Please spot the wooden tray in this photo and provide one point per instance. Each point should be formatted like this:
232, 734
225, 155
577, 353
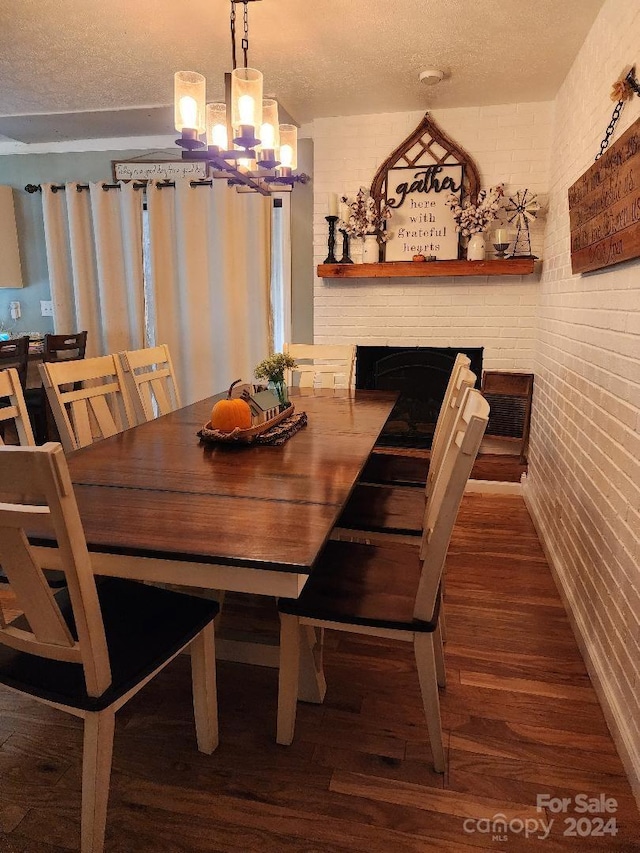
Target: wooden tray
243, 436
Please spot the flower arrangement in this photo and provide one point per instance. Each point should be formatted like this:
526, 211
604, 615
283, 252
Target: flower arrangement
273, 368
475, 218
365, 216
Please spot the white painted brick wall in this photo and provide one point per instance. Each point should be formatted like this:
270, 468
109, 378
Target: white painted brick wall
584, 479
510, 144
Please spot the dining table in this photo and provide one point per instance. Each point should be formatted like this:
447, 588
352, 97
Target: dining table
160, 505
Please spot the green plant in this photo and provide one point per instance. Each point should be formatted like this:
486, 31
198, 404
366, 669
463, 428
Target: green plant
273, 368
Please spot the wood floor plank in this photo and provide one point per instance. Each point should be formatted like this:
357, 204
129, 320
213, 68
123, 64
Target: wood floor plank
534, 687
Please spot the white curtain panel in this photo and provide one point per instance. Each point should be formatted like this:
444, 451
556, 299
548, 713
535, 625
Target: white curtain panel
209, 282
94, 253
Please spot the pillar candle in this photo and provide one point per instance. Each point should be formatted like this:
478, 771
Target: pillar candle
333, 204
501, 235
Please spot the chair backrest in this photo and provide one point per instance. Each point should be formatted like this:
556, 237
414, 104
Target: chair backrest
13, 406
15, 353
461, 378
38, 495
444, 499
151, 381
98, 409
322, 365
65, 347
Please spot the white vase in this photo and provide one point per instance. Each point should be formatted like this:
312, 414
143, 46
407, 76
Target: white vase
370, 249
476, 247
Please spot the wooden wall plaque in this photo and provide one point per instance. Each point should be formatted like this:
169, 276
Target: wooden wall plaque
414, 181
604, 207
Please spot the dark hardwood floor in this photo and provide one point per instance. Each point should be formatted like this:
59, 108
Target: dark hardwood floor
519, 713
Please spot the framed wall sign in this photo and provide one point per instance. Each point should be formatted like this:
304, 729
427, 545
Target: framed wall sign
422, 223
163, 170
414, 182
604, 207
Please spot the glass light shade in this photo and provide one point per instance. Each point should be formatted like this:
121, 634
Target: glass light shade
217, 126
246, 98
189, 97
288, 146
269, 130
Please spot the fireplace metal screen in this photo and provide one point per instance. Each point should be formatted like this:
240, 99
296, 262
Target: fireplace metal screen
420, 374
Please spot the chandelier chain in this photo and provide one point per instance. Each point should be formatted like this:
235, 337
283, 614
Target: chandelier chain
245, 40
233, 35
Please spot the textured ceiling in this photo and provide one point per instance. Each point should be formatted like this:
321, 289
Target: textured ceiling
319, 57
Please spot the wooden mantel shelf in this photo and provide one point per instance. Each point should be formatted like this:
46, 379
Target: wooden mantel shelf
417, 269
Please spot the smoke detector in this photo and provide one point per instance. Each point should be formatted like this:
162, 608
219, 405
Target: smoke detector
431, 76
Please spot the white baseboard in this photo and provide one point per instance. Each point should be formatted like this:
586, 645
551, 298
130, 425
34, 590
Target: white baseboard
596, 667
492, 487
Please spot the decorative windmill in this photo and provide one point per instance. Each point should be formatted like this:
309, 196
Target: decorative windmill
522, 209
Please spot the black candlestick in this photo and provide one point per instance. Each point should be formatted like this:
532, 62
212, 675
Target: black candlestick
345, 259
331, 244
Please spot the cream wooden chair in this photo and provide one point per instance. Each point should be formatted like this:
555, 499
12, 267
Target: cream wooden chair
98, 409
151, 381
13, 406
322, 365
390, 590
378, 509
91, 647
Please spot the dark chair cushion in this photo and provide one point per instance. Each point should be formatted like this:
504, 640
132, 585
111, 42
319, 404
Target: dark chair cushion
384, 509
144, 627
357, 584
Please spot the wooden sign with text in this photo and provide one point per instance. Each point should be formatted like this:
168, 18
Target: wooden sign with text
422, 222
604, 207
414, 182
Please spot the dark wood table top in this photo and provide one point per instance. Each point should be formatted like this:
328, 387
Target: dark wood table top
156, 491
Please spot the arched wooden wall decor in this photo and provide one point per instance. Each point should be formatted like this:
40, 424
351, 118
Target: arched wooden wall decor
414, 181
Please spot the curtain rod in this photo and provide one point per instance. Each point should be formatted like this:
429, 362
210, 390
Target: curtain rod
36, 188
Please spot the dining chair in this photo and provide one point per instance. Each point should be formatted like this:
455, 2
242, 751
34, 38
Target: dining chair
98, 409
71, 347
388, 510
89, 648
322, 365
15, 353
151, 381
388, 590
13, 406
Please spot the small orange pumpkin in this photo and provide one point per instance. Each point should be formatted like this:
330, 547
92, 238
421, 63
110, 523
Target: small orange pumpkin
229, 414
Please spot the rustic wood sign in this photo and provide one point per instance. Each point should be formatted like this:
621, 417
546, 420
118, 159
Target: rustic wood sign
604, 207
414, 181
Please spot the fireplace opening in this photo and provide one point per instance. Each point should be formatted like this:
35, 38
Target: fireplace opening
421, 375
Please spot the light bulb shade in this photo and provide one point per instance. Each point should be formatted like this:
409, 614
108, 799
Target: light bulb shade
288, 146
189, 98
217, 126
246, 98
269, 130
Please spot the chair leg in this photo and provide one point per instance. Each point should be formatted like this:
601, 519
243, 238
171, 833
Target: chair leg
441, 671
96, 772
312, 685
288, 677
425, 660
441, 618
203, 678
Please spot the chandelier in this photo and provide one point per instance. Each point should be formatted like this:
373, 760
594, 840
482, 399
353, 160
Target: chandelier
244, 141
